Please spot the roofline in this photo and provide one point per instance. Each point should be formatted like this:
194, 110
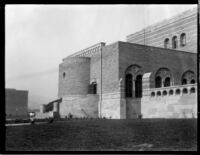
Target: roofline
166, 49
86, 49
13, 89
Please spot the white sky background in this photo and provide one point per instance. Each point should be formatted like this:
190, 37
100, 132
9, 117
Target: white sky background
38, 37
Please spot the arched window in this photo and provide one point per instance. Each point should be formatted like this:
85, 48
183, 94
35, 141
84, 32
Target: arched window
192, 90
167, 82
178, 91
163, 77
158, 82
138, 86
93, 88
174, 42
171, 92
128, 85
166, 43
184, 81
152, 94
164, 93
183, 39
188, 77
158, 93
64, 74
185, 91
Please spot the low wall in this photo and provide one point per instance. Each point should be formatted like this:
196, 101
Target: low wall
41, 115
170, 102
79, 106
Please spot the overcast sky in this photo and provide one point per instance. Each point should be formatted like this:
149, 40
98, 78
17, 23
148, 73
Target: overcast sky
38, 37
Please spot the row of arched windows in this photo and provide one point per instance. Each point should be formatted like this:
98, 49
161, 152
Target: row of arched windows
163, 78
171, 92
175, 41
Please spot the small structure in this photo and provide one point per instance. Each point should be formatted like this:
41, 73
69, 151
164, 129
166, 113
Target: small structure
16, 104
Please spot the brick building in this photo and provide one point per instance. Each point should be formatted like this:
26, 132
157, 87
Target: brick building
16, 103
152, 75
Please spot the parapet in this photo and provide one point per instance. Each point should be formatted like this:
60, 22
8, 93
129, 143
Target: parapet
87, 52
73, 60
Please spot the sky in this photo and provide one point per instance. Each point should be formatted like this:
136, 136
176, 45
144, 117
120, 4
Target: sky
38, 37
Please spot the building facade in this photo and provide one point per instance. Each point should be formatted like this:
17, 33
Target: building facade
179, 33
152, 75
16, 104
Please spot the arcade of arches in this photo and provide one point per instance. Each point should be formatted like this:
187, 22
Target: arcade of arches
163, 78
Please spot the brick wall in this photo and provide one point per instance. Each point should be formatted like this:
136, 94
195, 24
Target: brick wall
77, 76
110, 65
152, 58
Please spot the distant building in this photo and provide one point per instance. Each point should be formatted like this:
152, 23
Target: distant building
153, 75
16, 103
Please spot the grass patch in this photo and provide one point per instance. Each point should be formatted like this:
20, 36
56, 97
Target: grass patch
100, 135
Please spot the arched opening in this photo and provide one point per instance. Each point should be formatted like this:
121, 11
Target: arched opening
171, 92
167, 82
93, 88
184, 81
152, 94
166, 43
185, 91
158, 93
138, 86
178, 91
192, 81
164, 93
183, 39
128, 85
64, 74
174, 42
158, 82
192, 90
188, 77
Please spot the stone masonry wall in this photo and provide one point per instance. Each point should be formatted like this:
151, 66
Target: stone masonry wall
77, 76
170, 105
156, 34
79, 106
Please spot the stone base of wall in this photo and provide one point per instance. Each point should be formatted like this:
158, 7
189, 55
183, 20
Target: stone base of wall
133, 108
180, 106
79, 106
113, 106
